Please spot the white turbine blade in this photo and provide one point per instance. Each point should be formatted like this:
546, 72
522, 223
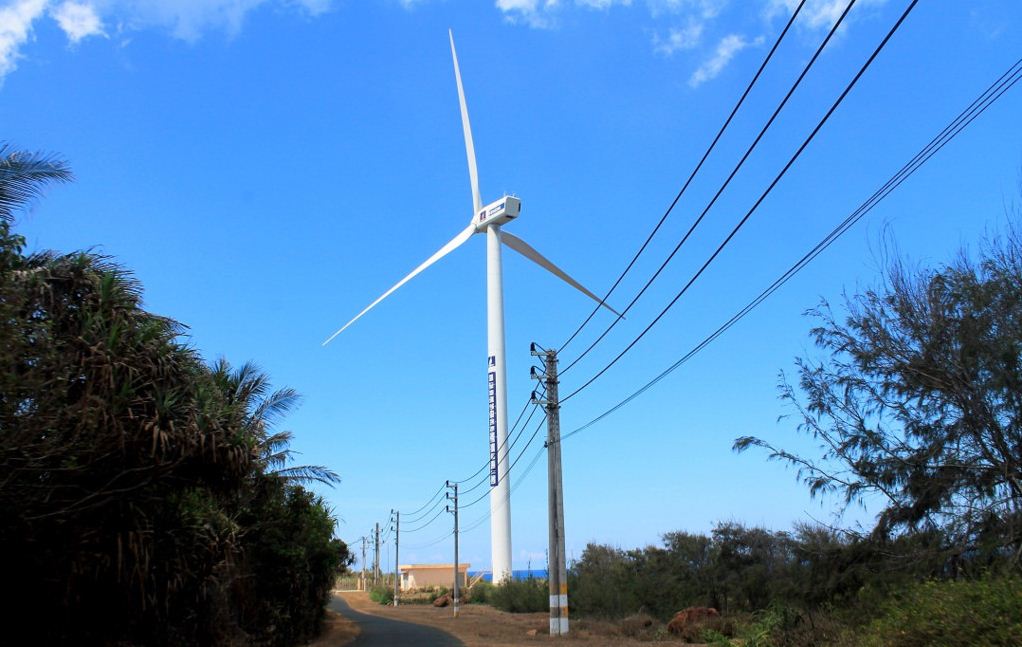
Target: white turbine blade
443, 251
528, 252
470, 149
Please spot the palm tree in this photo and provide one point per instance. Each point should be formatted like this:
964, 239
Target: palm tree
248, 395
23, 175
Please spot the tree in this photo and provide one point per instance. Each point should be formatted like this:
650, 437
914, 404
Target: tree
144, 495
918, 400
23, 176
248, 392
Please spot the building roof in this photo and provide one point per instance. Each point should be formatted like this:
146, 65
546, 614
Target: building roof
422, 567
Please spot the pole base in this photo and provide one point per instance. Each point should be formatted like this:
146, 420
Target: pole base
558, 626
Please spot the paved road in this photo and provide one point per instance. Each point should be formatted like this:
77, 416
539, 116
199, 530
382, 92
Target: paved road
384, 632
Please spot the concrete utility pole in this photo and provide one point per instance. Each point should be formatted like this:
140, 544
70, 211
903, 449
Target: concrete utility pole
376, 556
456, 588
397, 545
557, 568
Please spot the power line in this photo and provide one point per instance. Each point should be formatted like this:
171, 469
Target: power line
487, 463
411, 514
521, 479
437, 515
691, 176
723, 187
510, 468
514, 442
436, 501
426, 513
429, 544
755, 206
531, 439
959, 123
484, 480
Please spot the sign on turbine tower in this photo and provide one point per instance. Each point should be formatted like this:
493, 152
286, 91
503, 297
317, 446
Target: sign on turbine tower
491, 379
488, 220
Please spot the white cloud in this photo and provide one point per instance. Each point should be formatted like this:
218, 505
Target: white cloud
821, 14
524, 6
316, 7
542, 14
186, 19
816, 14
678, 38
727, 49
15, 28
692, 19
705, 9
529, 12
190, 19
602, 4
78, 20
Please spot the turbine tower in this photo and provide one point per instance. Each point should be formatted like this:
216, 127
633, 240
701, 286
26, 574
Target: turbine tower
488, 220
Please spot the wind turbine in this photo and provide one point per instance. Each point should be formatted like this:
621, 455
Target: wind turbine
488, 220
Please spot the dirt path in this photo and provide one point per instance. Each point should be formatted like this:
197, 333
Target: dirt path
378, 631
480, 625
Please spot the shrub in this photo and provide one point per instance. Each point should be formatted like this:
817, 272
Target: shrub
636, 625
382, 595
480, 593
982, 612
777, 626
715, 638
521, 596
604, 583
706, 629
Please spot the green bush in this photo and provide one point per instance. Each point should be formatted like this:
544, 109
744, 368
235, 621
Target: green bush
480, 593
714, 638
983, 612
382, 594
777, 626
521, 596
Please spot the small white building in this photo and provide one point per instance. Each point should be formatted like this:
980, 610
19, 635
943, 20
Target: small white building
420, 576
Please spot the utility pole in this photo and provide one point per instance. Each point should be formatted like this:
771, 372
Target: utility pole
364, 538
376, 556
397, 544
557, 574
454, 499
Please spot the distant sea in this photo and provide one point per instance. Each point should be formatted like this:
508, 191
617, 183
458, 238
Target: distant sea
537, 573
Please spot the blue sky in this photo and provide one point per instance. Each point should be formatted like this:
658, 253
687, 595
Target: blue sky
268, 167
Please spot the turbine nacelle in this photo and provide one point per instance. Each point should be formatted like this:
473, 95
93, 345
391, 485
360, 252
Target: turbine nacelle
497, 212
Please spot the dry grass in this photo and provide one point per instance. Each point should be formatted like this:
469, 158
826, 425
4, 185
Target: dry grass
480, 625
